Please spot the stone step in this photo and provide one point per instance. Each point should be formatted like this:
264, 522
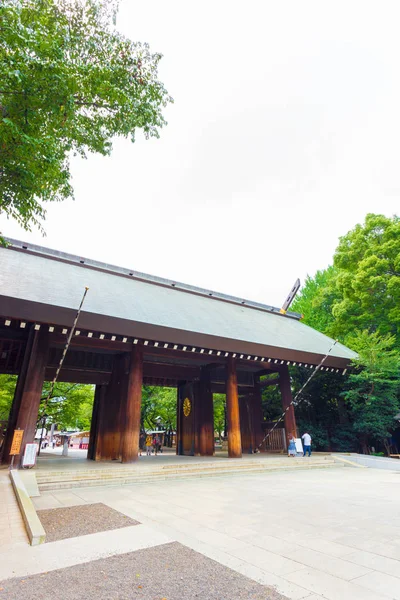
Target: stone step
118, 470
123, 472
150, 476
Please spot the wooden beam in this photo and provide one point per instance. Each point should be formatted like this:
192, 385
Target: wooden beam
168, 371
91, 344
220, 388
78, 376
232, 411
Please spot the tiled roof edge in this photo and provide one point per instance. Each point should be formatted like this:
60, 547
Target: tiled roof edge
132, 274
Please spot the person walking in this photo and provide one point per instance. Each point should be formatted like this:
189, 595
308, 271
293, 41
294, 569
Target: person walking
306, 437
155, 445
142, 439
148, 445
292, 446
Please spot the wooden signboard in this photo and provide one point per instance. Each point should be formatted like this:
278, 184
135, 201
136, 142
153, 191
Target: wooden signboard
299, 446
29, 459
16, 442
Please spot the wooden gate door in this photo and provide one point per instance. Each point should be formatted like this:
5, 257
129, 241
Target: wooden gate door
186, 420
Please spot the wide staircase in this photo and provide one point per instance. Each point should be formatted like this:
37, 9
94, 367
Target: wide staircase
117, 474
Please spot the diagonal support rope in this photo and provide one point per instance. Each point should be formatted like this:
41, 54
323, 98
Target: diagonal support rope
317, 368
60, 364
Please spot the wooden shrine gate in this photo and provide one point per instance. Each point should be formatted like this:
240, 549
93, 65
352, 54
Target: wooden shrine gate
137, 329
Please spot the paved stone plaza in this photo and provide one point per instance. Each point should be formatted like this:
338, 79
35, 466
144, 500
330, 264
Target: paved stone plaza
324, 533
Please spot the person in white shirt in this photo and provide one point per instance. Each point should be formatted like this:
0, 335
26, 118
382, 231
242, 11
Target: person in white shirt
306, 437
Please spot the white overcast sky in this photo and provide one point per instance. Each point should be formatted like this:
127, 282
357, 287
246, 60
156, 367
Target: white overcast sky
284, 133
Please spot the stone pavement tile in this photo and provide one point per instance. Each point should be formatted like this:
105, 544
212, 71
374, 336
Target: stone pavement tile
374, 545
332, 565
235, 530
380, 583
46, 501
325, 546
332, 587
215, 553
271, 543
273, 563
157, 515
217, 539
178, 511
309, 557
375, 562
12, 528
291, 590
22, 561
389, 550
97, 494
68, 498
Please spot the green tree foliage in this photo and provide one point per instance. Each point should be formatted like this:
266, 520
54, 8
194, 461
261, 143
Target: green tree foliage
322, 411
271, 401
316, 300
158, 404
357, 300
70, 405
219, 413
7, 388
373, 388
69, 82
367, 280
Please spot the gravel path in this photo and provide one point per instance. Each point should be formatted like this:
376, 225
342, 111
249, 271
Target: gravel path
167, 572
73, 521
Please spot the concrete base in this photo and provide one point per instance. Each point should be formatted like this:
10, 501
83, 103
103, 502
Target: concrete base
372, 462
28, 478
34, 528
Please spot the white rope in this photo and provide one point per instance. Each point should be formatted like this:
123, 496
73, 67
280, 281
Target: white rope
60, 364
298, 394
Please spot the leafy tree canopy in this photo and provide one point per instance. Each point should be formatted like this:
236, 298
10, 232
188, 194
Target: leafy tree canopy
362, 288
316, 299
158, 403
374, 386
357, 300
367, 279
70, 405
7, 388
69, 82
219, 413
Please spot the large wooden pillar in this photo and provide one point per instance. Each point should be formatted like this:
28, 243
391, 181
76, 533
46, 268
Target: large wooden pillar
286, 394
131, 406
258, 416
94, 427
108, 445
232, 411
28, 392
205, 414
246, 429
